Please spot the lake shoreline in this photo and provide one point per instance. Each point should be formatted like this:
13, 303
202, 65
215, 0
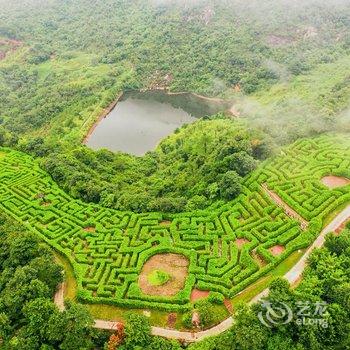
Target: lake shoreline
232, 111
106, 111
103, 115
171, 93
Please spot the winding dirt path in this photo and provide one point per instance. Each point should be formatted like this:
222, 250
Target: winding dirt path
292, 276
59, 297
288, 210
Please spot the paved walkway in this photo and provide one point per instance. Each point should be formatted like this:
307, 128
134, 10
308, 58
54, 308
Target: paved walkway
295, 273
292, 276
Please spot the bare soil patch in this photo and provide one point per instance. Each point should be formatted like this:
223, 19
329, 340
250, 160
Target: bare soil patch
240, 242
277, 250
177, 267
7, 46
341, 228
228, 305
45, 204
198, 294
90, 229
165, 223
335, 181
234, 112
59, 296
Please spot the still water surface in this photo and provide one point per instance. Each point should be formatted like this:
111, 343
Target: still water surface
141, 120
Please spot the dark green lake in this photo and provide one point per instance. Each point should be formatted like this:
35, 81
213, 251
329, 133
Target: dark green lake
141, 120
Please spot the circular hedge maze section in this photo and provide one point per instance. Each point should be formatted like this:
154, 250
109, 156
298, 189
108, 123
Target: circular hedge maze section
281, 210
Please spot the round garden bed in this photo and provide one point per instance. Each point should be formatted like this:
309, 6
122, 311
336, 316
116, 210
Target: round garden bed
164, 274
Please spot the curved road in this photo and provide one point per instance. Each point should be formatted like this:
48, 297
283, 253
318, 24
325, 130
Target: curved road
292, 276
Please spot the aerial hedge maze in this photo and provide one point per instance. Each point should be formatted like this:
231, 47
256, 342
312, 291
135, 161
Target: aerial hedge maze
228, 247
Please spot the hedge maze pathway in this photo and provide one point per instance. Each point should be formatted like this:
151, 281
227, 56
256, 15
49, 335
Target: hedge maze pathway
107, 248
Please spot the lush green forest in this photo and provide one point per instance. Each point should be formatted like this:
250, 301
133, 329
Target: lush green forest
73, 57
63, 62
284, 66
200, 164
28, 317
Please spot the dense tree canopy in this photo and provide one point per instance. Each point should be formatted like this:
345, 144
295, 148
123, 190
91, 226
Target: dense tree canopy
28, 279
63, 62
199, 164
285, 65
73, 57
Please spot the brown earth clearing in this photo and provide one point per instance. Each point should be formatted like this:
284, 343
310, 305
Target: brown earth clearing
335, 181
175, 265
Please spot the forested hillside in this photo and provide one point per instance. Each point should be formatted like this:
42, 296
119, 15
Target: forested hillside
211, 216
72, 57
205, 46
185, 172
63, 62
28, 317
